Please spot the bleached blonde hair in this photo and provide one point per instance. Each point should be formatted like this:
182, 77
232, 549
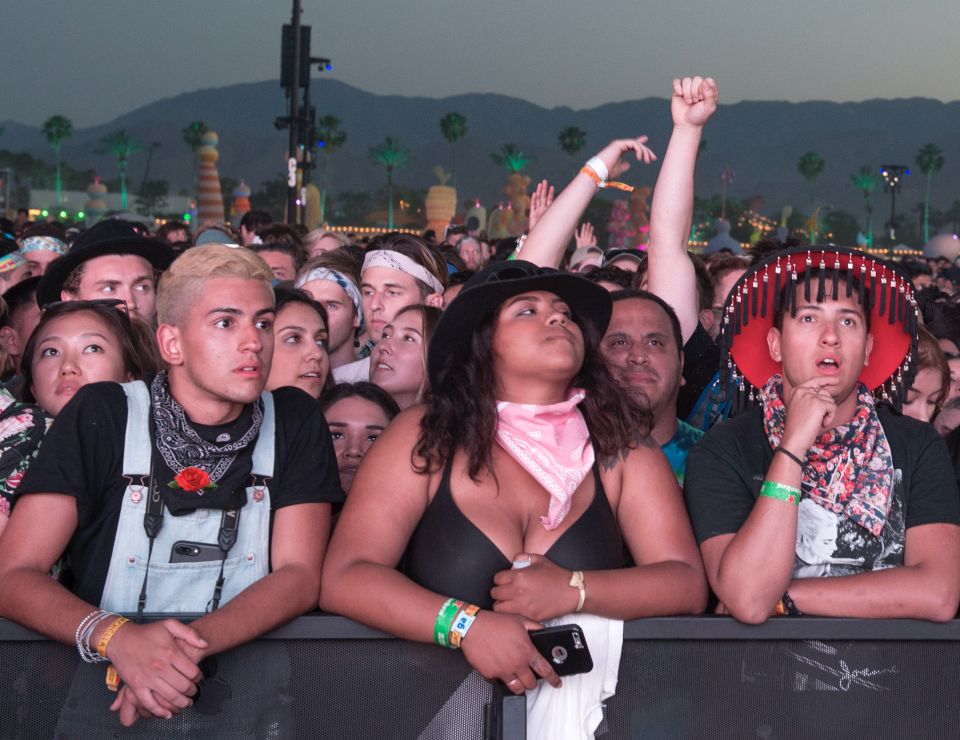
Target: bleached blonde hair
181, 284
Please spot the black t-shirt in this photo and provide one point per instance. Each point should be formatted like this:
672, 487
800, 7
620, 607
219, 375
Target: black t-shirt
82, 456
701, 361
726, 470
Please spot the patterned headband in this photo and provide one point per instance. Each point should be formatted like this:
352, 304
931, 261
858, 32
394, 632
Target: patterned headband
43, 243
334, 276
12, 261
397, 261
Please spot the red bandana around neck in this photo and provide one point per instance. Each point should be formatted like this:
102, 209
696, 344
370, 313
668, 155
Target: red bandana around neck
849, 469
552, 443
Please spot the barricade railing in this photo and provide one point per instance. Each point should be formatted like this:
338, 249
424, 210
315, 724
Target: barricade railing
688, 677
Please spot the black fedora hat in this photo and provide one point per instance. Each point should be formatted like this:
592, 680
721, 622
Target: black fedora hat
111, 236
502, 280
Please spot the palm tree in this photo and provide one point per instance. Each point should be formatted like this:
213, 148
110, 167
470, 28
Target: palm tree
453, 126
391, 155
511, 158
56, 129
329, 137
811, 166
929, 160
866, 182
572, 140
193, 137
121, 145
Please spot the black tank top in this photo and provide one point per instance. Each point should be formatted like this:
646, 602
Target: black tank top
449, 555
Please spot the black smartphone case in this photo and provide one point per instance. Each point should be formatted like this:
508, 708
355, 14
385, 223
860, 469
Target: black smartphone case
565, 647
207, 552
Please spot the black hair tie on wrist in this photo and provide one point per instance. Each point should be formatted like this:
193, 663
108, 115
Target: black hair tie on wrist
789, 454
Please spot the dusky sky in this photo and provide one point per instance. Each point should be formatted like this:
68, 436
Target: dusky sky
95, 60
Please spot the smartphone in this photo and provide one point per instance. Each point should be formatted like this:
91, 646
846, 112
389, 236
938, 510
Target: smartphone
194, 552
565, 647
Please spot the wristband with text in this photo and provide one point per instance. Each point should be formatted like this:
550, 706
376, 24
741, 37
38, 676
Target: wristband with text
781, 492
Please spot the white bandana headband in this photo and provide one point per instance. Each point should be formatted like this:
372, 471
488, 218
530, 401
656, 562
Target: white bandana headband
334, 276
43, 243
397, 261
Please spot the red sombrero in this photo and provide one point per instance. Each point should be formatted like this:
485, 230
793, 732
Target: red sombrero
886, 291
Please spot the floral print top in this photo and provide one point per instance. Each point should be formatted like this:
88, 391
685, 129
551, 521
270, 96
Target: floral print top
22, 427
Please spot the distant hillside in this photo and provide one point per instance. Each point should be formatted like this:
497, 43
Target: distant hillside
761, 141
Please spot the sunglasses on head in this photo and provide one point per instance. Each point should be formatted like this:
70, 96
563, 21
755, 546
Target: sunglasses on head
108, 302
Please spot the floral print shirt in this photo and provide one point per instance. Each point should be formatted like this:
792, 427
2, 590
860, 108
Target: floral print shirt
22, 427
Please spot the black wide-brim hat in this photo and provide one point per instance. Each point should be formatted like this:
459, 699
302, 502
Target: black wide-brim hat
499, 282
111, 236
774, 283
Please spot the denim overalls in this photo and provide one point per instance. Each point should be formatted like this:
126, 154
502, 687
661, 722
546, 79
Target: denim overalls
184, 588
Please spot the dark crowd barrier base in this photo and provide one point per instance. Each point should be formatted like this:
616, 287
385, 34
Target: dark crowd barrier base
694, 677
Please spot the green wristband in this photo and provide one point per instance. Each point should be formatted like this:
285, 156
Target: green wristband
441, 628
781, 492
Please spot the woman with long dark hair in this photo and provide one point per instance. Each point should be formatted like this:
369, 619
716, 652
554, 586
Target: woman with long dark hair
526, 453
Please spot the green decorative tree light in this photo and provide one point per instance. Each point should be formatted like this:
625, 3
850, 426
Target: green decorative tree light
572, 140
866, 181
511, 158
391, 154
121, 145
56, 129
453, 126
811, 167
329, 137
929, 160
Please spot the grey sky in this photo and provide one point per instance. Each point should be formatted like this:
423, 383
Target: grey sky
96, 59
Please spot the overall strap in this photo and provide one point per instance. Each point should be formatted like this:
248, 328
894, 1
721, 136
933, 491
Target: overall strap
265, 449
137, 443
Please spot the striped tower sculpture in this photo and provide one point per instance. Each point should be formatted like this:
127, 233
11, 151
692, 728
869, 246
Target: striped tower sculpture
210, 202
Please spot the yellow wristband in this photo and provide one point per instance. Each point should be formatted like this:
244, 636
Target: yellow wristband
113, 679
108, 635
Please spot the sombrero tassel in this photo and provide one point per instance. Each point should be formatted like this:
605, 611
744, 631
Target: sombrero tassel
821, 279
792, 294
900, 302
863, 283
763, 303
883, 294
806, 279
836, 277
892, 318
873, 285
776, 288
850, 276
753, 298
736, 316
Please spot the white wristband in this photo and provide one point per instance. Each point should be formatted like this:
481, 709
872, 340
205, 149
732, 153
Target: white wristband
596, 164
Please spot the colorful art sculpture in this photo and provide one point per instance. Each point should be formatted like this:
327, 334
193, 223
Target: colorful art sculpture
619, 226
640, 216
441, 203
241, 200
476, 217
210, 200
94, 208
511, 220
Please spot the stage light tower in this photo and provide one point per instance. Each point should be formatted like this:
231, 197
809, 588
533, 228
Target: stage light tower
893, 175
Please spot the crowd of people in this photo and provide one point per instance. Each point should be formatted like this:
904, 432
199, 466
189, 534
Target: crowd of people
458, 441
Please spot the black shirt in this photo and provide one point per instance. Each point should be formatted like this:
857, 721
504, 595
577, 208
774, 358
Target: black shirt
727, 468
82, 456
701, 361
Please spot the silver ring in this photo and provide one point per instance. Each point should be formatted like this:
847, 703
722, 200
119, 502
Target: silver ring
513, 680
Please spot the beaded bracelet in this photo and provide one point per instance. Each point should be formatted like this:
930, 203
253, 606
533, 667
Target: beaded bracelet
441, 628
781, 492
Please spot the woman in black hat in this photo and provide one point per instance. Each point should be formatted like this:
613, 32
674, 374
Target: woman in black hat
525, 454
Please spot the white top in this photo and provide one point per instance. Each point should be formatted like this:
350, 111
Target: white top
353, 372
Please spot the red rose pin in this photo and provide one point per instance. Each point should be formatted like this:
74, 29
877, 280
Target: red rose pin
192, 480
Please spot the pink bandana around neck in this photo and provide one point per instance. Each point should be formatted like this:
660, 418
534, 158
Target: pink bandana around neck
552, 443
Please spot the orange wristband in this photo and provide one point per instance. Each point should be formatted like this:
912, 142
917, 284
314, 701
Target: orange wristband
588, 171
108, 635
113, 679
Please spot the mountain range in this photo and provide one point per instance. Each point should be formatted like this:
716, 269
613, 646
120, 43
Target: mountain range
760, 140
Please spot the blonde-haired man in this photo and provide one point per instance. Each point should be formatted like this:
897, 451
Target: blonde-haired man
218, 491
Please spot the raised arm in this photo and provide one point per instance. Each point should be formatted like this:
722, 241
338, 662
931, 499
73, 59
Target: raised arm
670, 271
549, 237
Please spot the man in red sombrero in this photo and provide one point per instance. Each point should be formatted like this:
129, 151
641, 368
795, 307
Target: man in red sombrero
819, 500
